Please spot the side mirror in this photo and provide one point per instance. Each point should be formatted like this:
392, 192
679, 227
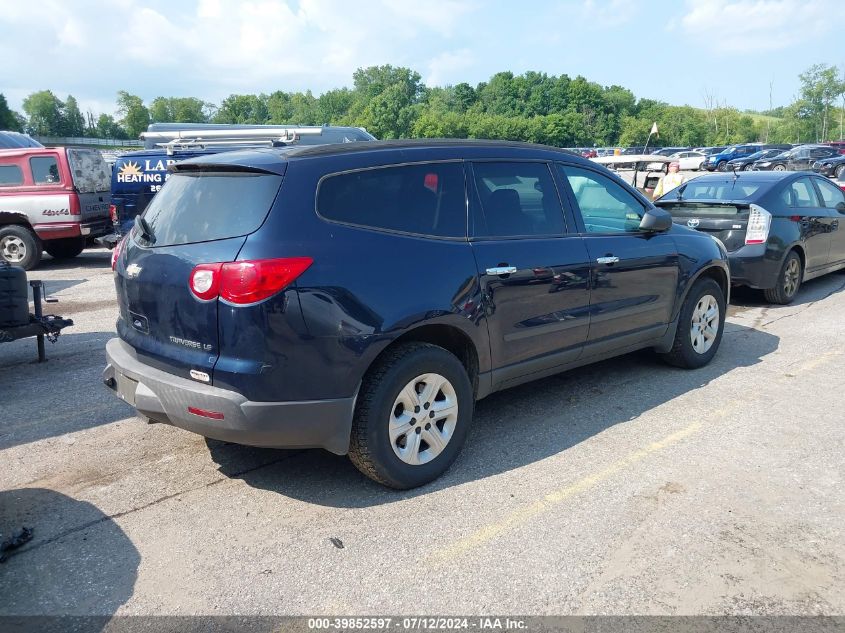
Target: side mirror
656, 220
840, 207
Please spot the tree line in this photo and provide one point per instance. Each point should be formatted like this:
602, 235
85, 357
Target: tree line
393, 102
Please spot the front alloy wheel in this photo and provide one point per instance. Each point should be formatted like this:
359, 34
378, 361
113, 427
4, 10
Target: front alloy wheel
705, 324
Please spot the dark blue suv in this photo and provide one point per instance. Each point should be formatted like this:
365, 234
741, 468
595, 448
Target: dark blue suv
362, 297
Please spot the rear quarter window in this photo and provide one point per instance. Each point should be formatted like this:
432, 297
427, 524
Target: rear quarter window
10, 175
45, 170
207, 206
423, 199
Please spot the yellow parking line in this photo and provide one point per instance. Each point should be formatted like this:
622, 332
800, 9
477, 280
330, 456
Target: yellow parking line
522, 515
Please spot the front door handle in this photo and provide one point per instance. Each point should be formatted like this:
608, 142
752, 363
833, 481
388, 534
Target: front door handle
501, 270
607, 260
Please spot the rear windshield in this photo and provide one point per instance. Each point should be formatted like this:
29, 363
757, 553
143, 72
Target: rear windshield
90, 171
206, 206
731, 190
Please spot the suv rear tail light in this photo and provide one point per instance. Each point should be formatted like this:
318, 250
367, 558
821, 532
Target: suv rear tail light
759, 221
246, 282
118, 249
113, 213
75, 207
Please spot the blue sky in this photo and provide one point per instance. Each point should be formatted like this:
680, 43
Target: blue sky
674, 51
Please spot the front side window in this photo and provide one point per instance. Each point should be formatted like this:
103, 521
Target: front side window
424, 199
10, 175
45, 170
831, 194
606, 207
517, 199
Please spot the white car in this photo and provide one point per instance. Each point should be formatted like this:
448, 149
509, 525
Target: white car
690, 161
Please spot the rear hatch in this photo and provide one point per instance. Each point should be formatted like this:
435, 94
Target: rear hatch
726, 221
92, 181
719, 206
202, 215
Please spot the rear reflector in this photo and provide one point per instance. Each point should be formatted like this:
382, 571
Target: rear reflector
246, 282
214, 415
759, 221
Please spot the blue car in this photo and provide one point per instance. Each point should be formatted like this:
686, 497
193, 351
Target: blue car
362, 297
719, 162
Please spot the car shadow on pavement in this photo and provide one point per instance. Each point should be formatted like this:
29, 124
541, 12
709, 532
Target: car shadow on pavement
809, 292
89, 258
63, 395
510, 428
88, 570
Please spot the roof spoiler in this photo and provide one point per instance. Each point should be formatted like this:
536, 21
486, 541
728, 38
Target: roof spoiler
188, 138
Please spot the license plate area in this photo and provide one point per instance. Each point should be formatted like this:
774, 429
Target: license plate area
126, 388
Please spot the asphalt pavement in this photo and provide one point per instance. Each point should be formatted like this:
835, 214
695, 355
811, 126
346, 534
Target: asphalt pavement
627, 487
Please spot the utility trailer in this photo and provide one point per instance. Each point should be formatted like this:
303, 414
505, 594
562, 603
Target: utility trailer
16, 322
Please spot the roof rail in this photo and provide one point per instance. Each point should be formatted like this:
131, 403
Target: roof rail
188, 138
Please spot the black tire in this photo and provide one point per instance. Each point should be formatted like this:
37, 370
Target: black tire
20, 246
65, 248
722, 165
370, 447
683, 353
839, 172
787, 284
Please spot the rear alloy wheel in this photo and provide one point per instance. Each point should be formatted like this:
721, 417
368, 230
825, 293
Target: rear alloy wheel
839, 172
700, 326
412, 416
789, 281
65, 248
779, 168
20, 247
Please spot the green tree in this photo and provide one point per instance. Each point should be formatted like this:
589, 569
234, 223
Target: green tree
179, 110
9, 120
73, 122
44, 110
107, 127
134, 114
820, 88
243, 109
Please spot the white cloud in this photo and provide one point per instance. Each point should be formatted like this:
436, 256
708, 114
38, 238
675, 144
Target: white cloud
738, 26
211, 48
446, 67
609, 13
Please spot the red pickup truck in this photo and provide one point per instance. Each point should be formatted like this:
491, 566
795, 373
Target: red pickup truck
53, 199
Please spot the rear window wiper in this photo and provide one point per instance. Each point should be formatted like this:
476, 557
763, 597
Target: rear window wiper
144, 227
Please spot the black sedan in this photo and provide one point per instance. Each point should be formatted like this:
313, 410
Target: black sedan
779, 229
796, 159
744, 163
833, 167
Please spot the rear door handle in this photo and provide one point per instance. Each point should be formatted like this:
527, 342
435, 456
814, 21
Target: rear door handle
501, 270
607, 260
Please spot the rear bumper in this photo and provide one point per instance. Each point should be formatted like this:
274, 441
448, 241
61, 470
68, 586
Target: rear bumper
750, 267
164, 397
60, 230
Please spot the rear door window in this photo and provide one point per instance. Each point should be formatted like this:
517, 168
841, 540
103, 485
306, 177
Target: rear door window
206, 206
10, 175
517, 199
45, 170
800, 194
605, 206
423, 199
